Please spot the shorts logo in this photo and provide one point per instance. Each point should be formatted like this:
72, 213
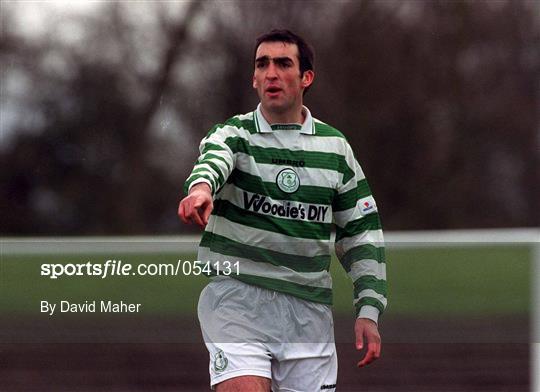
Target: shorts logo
287, 180
220, 361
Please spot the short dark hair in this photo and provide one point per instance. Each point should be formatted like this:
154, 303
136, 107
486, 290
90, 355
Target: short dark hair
305, 51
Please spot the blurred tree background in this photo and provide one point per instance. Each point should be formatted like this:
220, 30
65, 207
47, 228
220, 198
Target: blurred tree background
102, 108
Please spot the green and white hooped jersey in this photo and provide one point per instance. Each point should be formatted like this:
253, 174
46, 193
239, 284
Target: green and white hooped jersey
278, 189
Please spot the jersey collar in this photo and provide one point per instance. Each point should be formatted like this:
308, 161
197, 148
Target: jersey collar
262, 126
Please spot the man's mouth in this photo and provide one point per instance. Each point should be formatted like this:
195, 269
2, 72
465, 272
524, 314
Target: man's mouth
273, 90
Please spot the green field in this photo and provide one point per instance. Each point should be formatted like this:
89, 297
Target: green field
436, 281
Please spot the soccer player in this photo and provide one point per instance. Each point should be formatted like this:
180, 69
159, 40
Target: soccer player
266, 188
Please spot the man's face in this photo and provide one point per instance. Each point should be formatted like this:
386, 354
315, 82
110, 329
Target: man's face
277, 77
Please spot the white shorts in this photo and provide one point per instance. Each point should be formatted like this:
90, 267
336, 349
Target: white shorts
249, 330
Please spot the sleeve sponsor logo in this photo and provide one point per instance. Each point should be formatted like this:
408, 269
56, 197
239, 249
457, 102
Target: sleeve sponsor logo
298, 211
367, 206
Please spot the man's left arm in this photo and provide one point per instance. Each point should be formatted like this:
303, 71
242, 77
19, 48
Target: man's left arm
360, 249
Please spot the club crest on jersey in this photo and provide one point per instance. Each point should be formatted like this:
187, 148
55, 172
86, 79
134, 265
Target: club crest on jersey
288, 181
220, 361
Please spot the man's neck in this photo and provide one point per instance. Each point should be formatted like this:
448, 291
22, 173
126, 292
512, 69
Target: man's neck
292, 117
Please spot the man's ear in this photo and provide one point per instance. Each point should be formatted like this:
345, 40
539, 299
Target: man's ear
307, 78
254, 82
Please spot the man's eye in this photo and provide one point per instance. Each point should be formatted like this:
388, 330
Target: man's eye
285, 64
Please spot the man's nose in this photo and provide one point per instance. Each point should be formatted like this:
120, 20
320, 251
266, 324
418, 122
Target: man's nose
271, 71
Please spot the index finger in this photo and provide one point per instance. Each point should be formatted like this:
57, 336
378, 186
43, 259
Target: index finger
182, 212
207, 211
196, 217
188, 212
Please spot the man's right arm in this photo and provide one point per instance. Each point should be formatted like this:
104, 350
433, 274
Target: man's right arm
214, 165
216, 160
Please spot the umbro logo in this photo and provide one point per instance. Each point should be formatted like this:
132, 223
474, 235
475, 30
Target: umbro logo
328, 386
279, 161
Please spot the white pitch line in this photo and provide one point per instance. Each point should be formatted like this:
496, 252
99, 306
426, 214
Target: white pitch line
189, 243
98, 245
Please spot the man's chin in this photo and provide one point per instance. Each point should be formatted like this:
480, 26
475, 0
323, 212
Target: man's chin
274, 106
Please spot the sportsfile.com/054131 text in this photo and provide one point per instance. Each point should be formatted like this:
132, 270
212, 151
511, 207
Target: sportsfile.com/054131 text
114, 267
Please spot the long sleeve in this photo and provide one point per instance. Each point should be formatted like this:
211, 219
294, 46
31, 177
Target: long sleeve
216, 160
359, 242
